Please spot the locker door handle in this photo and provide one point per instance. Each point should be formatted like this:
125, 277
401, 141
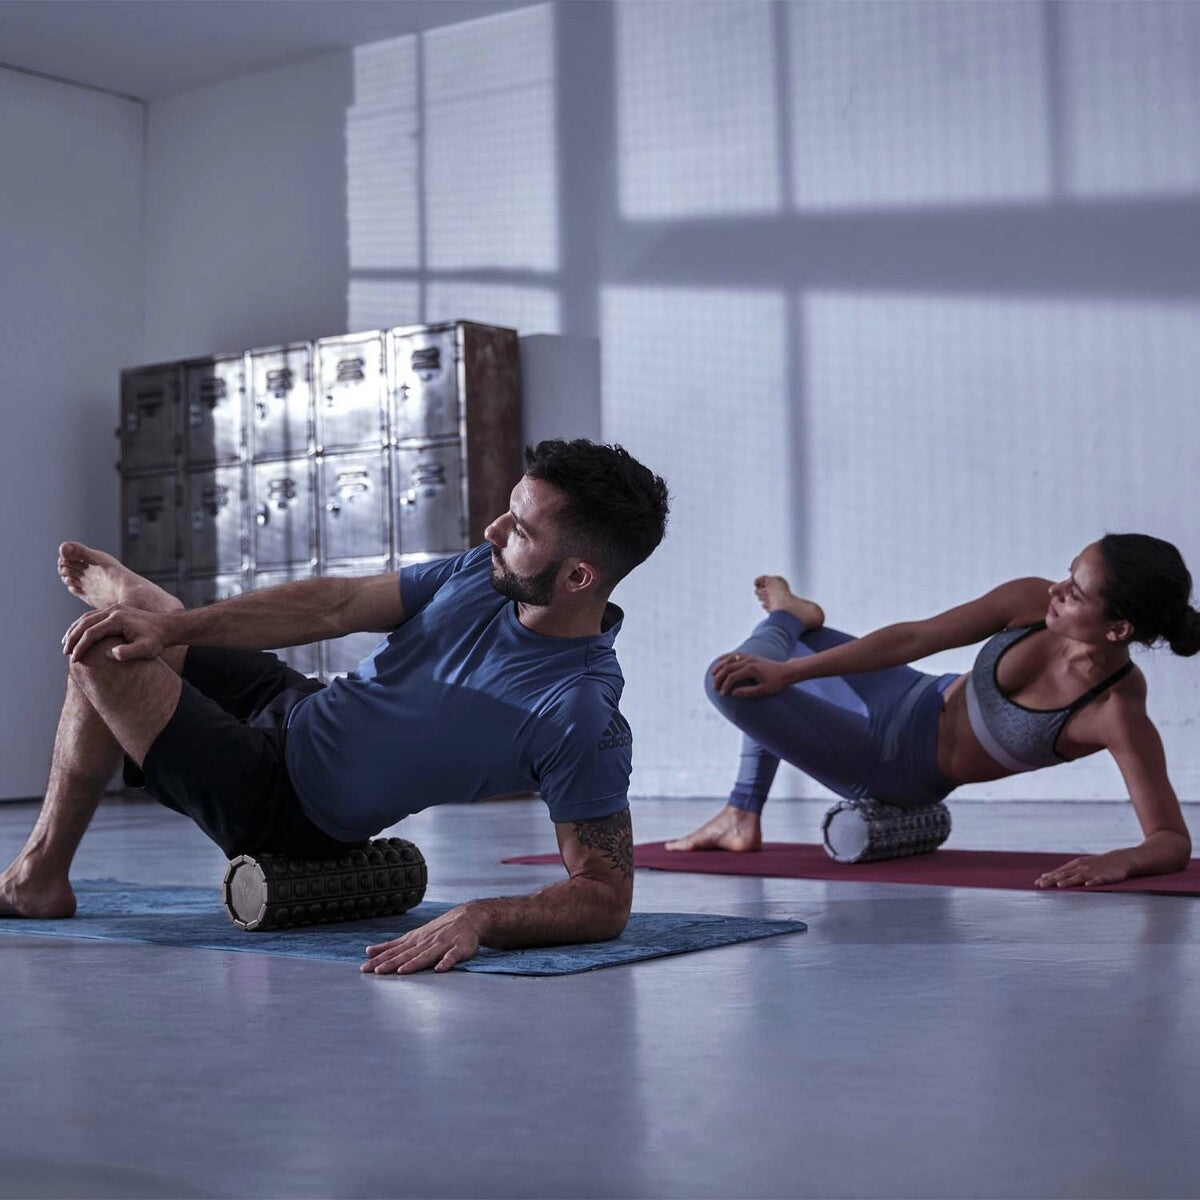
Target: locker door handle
279, 383
262, 514
333, 506
280, 492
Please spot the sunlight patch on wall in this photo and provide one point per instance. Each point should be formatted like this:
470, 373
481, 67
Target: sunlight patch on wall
385, 73
922, 102
382, 199
382, 303
491, 158
529, 309
694, 384
698, 124
1131, 97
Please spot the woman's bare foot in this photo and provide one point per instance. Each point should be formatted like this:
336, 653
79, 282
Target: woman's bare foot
775, 595
731, 829
100, 580
22, 895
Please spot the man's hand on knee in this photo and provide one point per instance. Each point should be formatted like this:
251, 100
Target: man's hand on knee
140, 634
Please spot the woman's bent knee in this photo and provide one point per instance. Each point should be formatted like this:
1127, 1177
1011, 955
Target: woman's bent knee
732, 708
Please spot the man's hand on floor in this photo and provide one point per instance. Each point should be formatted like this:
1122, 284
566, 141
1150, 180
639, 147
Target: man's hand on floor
451, 938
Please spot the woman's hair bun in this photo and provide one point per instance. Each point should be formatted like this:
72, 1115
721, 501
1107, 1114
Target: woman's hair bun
1184, 635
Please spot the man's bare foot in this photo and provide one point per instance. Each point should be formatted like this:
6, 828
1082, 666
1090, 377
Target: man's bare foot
775, 596
731, 829
100, 580
21, 896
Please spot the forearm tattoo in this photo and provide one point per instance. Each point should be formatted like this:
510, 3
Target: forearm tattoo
613, 837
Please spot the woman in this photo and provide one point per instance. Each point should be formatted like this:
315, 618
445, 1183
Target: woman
1053, 682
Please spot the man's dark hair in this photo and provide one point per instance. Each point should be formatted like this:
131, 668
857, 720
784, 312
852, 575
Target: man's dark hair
616, 509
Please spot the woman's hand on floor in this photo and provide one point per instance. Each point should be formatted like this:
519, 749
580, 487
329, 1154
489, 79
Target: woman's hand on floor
737, 674
1088, 870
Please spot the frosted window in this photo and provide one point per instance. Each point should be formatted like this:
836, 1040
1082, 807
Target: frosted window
490, 156
695, 385
921, 102
382, 303
698, 125
529, 309
382, 197
1131, 97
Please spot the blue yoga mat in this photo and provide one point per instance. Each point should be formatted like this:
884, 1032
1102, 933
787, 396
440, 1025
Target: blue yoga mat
112, 911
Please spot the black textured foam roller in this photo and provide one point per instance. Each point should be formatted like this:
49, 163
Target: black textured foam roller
866, 830
382, 878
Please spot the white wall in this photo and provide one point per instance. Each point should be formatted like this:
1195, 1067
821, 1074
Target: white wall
246, 211
902, 298
70, 318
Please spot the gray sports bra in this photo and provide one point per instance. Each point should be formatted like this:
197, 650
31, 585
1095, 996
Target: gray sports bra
1019, 738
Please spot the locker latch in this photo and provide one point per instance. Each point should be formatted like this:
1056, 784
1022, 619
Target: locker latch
351, 370
280, 492
350, 485
279, 383
427, 479
213, 499
427, 362
149, 507
213, 390
146, 404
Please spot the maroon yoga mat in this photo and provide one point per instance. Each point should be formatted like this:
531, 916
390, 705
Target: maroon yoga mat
1013, 869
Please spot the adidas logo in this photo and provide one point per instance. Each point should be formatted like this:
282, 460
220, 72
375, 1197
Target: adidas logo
615, 736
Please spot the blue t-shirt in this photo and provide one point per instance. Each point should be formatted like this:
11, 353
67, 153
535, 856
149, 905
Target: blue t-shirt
461, 702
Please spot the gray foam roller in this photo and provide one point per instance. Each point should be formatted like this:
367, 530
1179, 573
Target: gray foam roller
866, 830
382, 878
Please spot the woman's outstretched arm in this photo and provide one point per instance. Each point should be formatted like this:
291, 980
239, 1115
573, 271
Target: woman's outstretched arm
1020, 601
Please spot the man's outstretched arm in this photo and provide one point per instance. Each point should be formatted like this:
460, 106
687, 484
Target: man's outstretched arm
591, 906
292, 614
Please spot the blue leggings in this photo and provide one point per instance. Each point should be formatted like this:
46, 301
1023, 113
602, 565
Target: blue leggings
872, 734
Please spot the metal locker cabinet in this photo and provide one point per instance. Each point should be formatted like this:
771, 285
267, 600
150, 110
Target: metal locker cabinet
200, 590
214, 540
214, 391
429, 502
353, 502
150, 420
283, 529
150, 523
424, 373
351, 391
279, 401
341, 655
305, 659
172, 584
489, 380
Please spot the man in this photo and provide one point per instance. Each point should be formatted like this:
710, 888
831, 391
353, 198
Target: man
498, 675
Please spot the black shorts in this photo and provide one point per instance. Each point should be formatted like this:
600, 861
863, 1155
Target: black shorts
220, 760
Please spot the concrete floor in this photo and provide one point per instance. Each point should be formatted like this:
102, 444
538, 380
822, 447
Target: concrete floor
914, 1042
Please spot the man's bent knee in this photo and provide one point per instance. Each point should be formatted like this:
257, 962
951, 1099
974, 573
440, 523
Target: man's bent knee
96, 658
134, 699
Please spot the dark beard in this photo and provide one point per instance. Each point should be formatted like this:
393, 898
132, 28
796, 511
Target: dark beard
537, 590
